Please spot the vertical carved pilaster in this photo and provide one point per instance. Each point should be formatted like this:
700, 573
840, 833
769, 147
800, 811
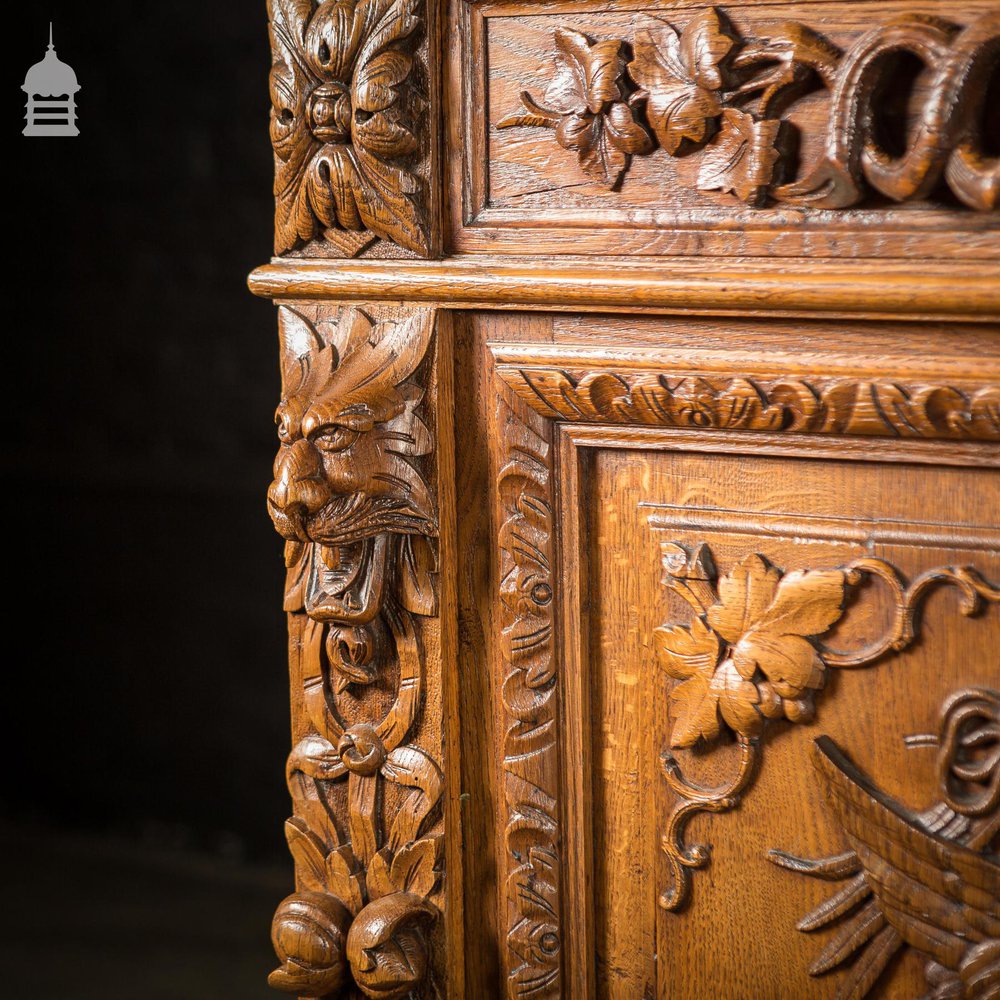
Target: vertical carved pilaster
530, 751
354, 496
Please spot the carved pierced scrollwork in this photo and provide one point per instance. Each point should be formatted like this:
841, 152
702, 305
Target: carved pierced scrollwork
925, 880
349, 125
813, 406
706, 85
753, 653
352, 499
530, 764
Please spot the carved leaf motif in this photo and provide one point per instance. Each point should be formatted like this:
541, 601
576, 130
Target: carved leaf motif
378, 879
695, 712
309, 854
678, 76
342, 881
587, 73
414, 868
768, 618
742, 157
684, 652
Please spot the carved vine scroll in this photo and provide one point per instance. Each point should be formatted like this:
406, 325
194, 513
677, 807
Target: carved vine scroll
925, 880
753, 653
530, 692
706, 86
350, 125
353, 497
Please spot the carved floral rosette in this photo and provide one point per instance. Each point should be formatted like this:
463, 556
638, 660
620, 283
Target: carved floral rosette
708, 87
352, 499
350, 125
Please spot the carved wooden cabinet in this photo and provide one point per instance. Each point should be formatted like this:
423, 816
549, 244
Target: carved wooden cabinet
639, 479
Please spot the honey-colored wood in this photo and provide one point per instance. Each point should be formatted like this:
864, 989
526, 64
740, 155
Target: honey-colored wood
644, 550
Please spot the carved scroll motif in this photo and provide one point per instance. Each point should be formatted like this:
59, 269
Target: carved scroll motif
349, 125
351, 498
707, 86
753, 654
530, 763
925, 880
814, 406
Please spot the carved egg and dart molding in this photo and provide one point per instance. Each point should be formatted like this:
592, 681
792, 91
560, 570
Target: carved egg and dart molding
706, 87
360, 526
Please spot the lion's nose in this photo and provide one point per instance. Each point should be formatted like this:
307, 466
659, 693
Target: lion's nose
298, 480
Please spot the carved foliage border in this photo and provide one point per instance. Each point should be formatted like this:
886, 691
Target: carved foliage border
531, 778
852, 406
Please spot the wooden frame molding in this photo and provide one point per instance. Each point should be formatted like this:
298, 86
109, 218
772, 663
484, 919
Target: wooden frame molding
929, 291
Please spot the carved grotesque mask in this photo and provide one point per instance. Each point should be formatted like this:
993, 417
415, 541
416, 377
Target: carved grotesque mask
347, 494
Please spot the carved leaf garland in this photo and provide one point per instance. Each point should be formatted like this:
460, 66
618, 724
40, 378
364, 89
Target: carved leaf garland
693, 87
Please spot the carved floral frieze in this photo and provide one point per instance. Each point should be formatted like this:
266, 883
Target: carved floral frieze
707, 86
753, 654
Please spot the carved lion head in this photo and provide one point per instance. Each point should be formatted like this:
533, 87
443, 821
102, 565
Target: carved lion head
347, 494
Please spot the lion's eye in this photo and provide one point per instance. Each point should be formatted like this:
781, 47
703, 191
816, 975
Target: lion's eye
334, 438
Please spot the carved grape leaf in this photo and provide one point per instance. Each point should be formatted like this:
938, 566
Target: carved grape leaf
678, 77
695, 711
768, 617
603, 142
742, 157
588, 74
686, 651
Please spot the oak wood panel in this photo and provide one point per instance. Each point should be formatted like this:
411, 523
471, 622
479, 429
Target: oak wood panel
744, 917
524, 193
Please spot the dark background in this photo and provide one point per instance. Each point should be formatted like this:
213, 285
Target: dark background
145, 696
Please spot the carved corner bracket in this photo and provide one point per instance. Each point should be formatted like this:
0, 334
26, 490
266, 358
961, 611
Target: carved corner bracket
708, 87
753, 654
351, 126
353, 496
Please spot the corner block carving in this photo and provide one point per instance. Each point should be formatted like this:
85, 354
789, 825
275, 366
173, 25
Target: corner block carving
352, 496
708, 87
925, 880
350, 125
530, 749
854, 406
753, 653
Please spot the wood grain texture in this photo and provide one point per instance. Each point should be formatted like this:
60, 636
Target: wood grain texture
354, 496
